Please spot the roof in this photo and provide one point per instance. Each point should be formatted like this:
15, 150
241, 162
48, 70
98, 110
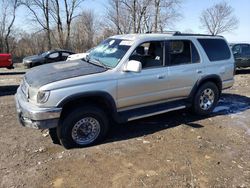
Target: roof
133, 37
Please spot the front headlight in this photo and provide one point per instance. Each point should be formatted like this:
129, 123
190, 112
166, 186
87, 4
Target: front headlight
27, 61
43, 96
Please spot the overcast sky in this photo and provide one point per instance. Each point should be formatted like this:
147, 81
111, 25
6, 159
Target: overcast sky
190, 10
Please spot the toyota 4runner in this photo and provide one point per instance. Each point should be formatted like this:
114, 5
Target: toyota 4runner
125, 78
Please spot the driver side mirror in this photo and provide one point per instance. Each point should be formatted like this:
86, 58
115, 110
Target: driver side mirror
133, 66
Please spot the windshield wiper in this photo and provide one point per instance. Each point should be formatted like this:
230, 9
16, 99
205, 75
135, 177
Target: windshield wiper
97, 61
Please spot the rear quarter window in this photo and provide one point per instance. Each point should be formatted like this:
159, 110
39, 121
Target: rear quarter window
216, 49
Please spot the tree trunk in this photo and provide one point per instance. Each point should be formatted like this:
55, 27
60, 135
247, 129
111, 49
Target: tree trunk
134, 16
9, 28
157, 11
48, 24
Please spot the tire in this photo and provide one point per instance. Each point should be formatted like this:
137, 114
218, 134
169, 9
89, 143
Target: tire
53, 136
205, 99
10, 67
83, 127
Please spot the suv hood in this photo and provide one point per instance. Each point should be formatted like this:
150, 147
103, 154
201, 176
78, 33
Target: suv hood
53, 72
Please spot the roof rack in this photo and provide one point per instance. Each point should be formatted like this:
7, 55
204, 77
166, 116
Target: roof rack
178, 33
193, 34
165, 32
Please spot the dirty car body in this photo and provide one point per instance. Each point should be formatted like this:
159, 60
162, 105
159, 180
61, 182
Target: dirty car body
126, 77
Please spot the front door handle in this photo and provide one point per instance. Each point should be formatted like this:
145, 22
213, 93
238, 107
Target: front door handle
161, 76
199, 71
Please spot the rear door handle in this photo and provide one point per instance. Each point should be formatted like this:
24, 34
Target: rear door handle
161, 76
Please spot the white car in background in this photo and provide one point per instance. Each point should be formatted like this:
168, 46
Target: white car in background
77, 56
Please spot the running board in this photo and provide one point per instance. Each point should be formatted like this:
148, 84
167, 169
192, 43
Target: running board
148, 111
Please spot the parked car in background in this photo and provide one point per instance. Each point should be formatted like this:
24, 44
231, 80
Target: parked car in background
6, 61
241, 53
46, 57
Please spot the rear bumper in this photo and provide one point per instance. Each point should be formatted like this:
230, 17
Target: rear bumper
32, 116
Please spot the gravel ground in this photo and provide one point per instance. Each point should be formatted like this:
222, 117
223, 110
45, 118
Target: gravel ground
175, 149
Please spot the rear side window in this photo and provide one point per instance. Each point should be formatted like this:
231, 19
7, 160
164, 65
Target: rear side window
181, 52
216, 49
245, 49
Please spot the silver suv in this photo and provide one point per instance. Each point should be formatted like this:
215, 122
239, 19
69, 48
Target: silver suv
124, 78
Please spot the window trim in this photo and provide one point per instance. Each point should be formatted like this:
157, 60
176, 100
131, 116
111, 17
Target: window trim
190, 44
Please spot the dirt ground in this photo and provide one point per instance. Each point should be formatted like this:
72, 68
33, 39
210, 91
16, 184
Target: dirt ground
175, 149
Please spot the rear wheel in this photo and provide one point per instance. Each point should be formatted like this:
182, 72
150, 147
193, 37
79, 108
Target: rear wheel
10, 67
206, 99
83, 127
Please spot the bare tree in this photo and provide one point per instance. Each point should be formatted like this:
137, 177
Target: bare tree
113, 14
69, 7
142, 15
118, 17
7, 19
84, 30
219, 19
41, 15
165, 13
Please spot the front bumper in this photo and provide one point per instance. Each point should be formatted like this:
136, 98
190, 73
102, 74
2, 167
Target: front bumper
33, 116
243, 64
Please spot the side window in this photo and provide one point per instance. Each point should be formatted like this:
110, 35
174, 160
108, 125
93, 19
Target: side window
216, 49
181, 52
236, 49
245, 49
65, 54
54, 55
150, 54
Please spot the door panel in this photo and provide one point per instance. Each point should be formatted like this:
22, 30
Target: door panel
182, 78
149, 85
184, 67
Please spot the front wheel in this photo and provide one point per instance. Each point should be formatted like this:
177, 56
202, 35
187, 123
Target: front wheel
83, 127
206, 99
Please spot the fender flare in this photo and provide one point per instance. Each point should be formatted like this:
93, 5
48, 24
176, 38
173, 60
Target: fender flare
214, 78
106, 97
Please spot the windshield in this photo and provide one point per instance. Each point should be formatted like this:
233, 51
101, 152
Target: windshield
110, 52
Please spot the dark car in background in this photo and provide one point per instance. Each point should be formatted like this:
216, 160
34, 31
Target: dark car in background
241, 53
46, 57
6, 61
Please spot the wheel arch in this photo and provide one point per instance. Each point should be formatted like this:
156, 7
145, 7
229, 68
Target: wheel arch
99, 98
211, 78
